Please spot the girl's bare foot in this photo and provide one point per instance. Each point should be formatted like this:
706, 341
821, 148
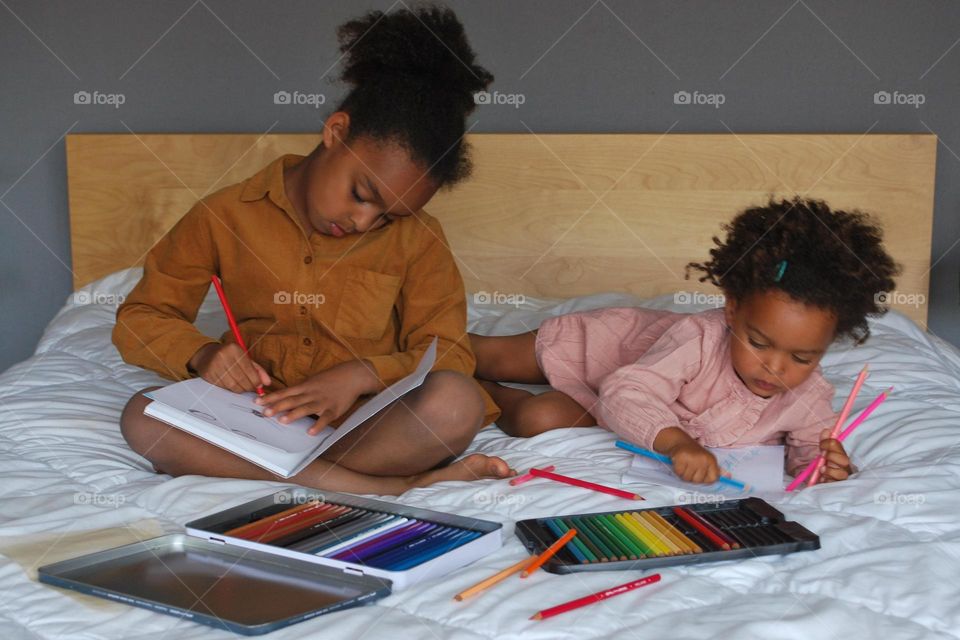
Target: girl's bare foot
475, 466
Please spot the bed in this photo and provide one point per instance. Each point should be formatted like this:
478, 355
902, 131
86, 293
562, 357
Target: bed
890, 536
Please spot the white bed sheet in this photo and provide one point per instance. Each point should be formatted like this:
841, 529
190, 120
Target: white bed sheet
889, 566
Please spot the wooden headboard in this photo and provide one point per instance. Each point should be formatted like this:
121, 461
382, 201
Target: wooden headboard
554, 215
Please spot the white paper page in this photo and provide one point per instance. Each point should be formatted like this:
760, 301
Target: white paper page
236, 413
760, 467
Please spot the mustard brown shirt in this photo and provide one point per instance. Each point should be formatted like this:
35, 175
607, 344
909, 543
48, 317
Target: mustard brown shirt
303, 302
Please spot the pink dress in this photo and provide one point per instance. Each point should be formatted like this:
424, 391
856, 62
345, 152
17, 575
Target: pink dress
639, 371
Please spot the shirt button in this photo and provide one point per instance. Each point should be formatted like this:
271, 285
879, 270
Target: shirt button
303, 311
308, 260
307, 342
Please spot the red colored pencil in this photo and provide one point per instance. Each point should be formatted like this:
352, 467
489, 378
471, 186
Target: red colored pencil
300, 521
233, 323
556, 477
257, 527
712, 533
595, 597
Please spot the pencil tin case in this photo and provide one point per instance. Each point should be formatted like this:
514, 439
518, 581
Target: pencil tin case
253, 587
659, 537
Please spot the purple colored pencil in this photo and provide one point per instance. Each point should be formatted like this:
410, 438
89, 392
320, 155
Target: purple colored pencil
382, 543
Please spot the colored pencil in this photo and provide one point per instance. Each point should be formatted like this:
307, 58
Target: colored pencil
625, 536
548, 553
265, 521
610, 552
500, 576
666, 460
376, 545
679, 537
586, 538
840, 420
595, 597
390, 556
638, 537
527, 477
325, 527
572, 547
673, 547
562, 528
353, 541
300, 523
702, 526
233, 323
433, 552
643, 529
326, 534
556, 477
626, 553
843, 436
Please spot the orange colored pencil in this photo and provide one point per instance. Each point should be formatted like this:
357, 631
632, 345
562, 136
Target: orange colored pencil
494, 579
263, 523
549, 553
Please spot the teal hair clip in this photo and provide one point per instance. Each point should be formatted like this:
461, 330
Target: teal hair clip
781, 269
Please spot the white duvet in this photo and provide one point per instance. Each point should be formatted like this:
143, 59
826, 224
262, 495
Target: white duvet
889, 566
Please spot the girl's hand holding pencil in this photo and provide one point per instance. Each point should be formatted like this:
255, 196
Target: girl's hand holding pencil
228, 366
836, 464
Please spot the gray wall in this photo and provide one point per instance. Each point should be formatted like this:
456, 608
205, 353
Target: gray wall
582, 66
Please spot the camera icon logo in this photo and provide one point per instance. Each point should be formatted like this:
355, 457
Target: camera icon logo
682, 297
482, 297
481, 97
882, 298
281, 97
681, 97
882, 97
81, 97
281, 297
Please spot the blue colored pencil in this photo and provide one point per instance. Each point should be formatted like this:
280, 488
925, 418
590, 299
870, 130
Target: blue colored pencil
439, 550
572, 547
391, 556
666, 460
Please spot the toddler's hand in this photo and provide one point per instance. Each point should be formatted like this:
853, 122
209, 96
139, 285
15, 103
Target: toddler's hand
836, 464
693, 463
327, 394
229, 367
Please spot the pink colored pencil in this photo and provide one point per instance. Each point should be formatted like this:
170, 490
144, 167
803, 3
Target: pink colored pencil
840, 420
556, 477
527, 477
843, 436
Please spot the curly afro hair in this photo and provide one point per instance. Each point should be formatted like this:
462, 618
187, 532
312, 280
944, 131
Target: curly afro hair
834, 260
413, 81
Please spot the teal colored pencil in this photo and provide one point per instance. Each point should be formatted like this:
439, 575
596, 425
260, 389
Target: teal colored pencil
666, 460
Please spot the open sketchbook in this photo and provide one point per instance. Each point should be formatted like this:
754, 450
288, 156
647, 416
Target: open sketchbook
761, 467
233, 422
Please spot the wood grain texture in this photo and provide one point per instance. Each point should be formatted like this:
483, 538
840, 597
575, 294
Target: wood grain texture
555, 215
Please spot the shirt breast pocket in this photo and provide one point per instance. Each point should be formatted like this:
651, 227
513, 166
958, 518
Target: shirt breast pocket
367, 304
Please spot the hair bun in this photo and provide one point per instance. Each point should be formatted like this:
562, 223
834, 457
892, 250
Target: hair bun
425, 47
